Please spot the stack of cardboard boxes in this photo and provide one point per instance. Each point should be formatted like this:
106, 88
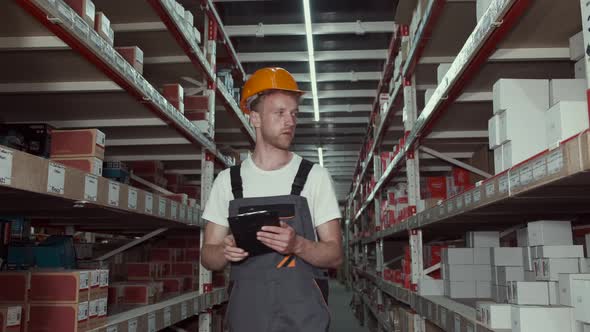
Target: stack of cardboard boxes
81, 148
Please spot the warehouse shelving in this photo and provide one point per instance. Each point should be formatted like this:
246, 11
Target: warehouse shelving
506, 42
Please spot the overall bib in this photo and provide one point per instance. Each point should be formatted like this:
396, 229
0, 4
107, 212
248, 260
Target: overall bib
274, 292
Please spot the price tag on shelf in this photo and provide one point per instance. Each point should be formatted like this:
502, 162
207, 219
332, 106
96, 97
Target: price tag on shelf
152, 322
149, 203
540, 168
183, 311
91, 187
132, 325
477, 195
56, 177
182, 216
167, 317
114, 189
132, 198
503, 184
190, 215
81, 26
514, 179
490, 190
110, 53
174, 210
120, 61
555, 162
162, 207
450, 206
443, 317
468, 199
5, 167
66, 12
96, 40
460, 201
441, 211
526, 175
112, 328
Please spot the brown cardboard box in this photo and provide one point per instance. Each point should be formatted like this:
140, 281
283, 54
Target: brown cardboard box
167, 255
184, 269
11, 318
90, 165
133, 55
172, 284
85, 9
31, 173
483, 159
143, 271
174, 93
145, 292
58, 317
102, 25
78, 143
19, 282
59, 286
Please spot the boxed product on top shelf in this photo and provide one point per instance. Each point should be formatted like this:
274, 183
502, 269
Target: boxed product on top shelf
78, 143
133, 55
116, 170
102, 25
85, 9
30, 138
174, 93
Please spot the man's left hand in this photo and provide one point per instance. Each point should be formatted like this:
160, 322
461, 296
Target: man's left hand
283, 240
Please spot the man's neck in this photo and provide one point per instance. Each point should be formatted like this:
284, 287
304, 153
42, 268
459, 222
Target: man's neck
269, 158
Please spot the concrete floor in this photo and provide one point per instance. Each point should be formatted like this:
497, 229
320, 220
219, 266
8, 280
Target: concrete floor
343, 319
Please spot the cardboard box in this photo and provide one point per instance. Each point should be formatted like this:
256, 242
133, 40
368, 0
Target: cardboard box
59, 286
192, 255
140, 292
560, 252
457, 256
11, 318
174, 93
78, 143
85, 9
506, 256
494, 132
167, 255
528, 293
522, 237
102, 25
441, 71
577, 49
541, 318
431, 287
580, 69
499, 160
143, 271
550, 232
184, 269
507, 274
460, 289
553, 287
58, 317
172, 284
494, 315
133, 55
500, 293
19, 282
90, 165
582, 305
483, 289
483, 239
519, 94
548, 269
566, 90
567, 295
564, 120
482, 256
527, 257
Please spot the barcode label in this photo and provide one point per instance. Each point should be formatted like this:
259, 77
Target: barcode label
162, 207
132, 199
477, 195
540, 169
490, 190
114, 193
84, 280
14, 315
152, 322
132, 325
183, 311
555, 162
5, 167
468, 199
174, 210
91, 187
112, 328
56, 177
167, 317
149, 203
65, 11
526, 175
82, 311
460, 202
503, 184
514, 179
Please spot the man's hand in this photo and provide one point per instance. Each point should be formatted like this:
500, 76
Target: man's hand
283, 240
231, 252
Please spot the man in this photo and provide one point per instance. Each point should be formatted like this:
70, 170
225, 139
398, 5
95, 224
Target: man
279, 291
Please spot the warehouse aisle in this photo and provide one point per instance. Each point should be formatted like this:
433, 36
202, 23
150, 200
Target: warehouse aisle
343, 319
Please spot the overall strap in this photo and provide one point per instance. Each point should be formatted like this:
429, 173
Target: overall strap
301, 177
236, 181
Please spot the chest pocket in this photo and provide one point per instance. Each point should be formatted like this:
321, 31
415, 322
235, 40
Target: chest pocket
284, 211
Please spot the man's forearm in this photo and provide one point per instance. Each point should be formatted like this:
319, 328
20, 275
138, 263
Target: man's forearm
213, 258
320, 254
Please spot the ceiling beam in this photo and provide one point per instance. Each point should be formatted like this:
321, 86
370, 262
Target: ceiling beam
350, 76
60, 87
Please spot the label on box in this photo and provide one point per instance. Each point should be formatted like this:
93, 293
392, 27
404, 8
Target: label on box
149, 203
106, 24
132, 325
450, 206
167, 317
90, 9
152, 322
94, 279
56, 178
162, 207
183, 311
555, 161
526, 175
540, 169
460, 203
190, 215
93, 310
5, 167
101, 138
114, 193
104, 278
103, 307
196, 305
82, 311
132, 198
81, 26
66, 12
514, 179
477, 195
443, 317
182, 215
84, 280
490, 190
441, 211
174, 210
96, 40
91, 187
468, 199
112, 328
503, 184
14, 315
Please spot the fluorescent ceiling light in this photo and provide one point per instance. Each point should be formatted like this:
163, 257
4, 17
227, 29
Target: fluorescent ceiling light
310, 53
321, 156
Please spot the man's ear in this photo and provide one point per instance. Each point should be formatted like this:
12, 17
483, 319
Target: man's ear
255, 119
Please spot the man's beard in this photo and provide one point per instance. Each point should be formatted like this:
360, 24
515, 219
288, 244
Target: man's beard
282, 141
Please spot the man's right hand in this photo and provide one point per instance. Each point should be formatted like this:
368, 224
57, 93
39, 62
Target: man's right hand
231, 251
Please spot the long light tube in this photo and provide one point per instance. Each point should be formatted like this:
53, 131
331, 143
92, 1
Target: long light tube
321, 156
310, 53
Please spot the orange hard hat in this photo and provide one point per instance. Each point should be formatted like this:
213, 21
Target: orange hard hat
271, 78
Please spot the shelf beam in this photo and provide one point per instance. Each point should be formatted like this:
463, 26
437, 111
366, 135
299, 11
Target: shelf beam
60, 87
455, 162
131, 244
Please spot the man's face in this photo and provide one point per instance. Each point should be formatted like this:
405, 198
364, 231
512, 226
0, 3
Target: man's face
277, 118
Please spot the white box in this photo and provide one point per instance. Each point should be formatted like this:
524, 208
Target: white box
550, 233
548, 269
481, 311
567, 90
564, 120
581, 289
494, 132
530, 276
481, 256
498, 316
584, 265
495, 274
520, 94
522, 237
499, 160
527, 256
509, 273
482, 273
480, 8
460, 289
566, 296
457, 256
483, 239
459, 272
189, 18
528, 293
427, 95
506, 256
507, 159
441, 71
577, 46
541, 319
560, 251
553, 292
580, 68
526, 141
483, 289
431, 287
500, 293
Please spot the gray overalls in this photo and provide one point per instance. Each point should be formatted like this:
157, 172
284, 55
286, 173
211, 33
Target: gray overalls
273, 292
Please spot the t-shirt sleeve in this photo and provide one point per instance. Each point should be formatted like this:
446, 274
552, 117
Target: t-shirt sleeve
217, 207
325, 203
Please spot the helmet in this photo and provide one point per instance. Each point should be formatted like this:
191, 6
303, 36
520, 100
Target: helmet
271, 78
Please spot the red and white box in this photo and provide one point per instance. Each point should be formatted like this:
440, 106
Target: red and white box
59, 286
180, 198
174, 93
174, 179
133, 55
184, 269
167, 255
90, 165
65, 317
192, 255
151, 168
102, 25
172, 284
11, 318
196, 108
19, 281
147, 292
78, 143
85, 9
436, 187
143, 271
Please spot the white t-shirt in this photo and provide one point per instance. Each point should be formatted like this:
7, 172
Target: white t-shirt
318, 190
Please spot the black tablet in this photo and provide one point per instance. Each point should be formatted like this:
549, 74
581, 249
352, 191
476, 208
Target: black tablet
245, 226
